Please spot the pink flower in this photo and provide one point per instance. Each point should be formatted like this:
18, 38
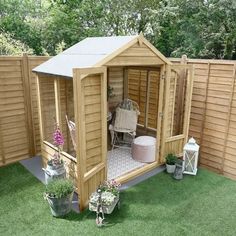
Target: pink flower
58, 137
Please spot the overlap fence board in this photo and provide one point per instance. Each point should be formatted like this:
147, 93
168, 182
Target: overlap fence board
212, 121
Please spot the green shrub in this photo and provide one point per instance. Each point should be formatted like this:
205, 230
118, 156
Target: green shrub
171, 159
59, 188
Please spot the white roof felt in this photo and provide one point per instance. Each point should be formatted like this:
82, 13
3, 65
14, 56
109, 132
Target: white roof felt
86, 53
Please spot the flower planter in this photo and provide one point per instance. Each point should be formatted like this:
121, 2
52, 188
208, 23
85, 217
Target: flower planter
170, 168
107, 209
60, 206
53, 172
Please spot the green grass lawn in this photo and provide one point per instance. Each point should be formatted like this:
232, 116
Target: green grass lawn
201, 205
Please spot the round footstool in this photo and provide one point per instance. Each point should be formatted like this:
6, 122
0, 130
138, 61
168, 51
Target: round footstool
144, 149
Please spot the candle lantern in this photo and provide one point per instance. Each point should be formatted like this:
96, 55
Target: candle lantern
190, 158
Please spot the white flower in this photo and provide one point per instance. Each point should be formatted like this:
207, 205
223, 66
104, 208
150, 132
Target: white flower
107, 198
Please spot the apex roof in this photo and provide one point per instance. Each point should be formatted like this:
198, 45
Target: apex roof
87, 53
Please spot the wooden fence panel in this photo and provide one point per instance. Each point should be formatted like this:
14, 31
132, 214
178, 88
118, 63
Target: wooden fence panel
213, 114
19, 136
14, 134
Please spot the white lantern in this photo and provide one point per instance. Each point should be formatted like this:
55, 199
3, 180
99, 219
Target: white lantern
190, 158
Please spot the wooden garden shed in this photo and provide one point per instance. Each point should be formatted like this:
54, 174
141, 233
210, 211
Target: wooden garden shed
74, 83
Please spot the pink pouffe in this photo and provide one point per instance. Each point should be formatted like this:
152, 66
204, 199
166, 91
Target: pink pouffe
144, 149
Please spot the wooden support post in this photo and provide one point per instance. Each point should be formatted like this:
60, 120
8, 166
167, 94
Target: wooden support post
160, 114
58, 101
147, 99
28, 105
165, 113
172, 128
40, 111
180, 97
188, 102
228, 118
104, 117
80, 139
67, 107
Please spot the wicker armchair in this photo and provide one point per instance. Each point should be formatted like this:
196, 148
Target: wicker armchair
124, 123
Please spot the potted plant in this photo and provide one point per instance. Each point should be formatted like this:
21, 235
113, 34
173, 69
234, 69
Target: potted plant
59, 195
55, 167
170, 163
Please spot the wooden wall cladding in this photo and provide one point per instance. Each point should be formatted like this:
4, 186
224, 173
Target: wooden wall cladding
93, 126
136, 55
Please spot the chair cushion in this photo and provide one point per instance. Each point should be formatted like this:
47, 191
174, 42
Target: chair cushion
125, 120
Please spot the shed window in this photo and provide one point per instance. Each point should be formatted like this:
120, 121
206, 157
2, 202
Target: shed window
143, 88
48, 106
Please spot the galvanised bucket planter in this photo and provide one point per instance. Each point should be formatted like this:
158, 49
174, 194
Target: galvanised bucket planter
60, 206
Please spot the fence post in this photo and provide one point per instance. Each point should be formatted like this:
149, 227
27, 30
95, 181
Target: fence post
28, 103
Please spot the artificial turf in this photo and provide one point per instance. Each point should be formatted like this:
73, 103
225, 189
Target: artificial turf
201, 205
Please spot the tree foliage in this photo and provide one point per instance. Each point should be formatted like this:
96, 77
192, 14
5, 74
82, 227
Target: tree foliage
10, 46
199, 28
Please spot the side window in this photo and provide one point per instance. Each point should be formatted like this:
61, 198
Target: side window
48, 107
